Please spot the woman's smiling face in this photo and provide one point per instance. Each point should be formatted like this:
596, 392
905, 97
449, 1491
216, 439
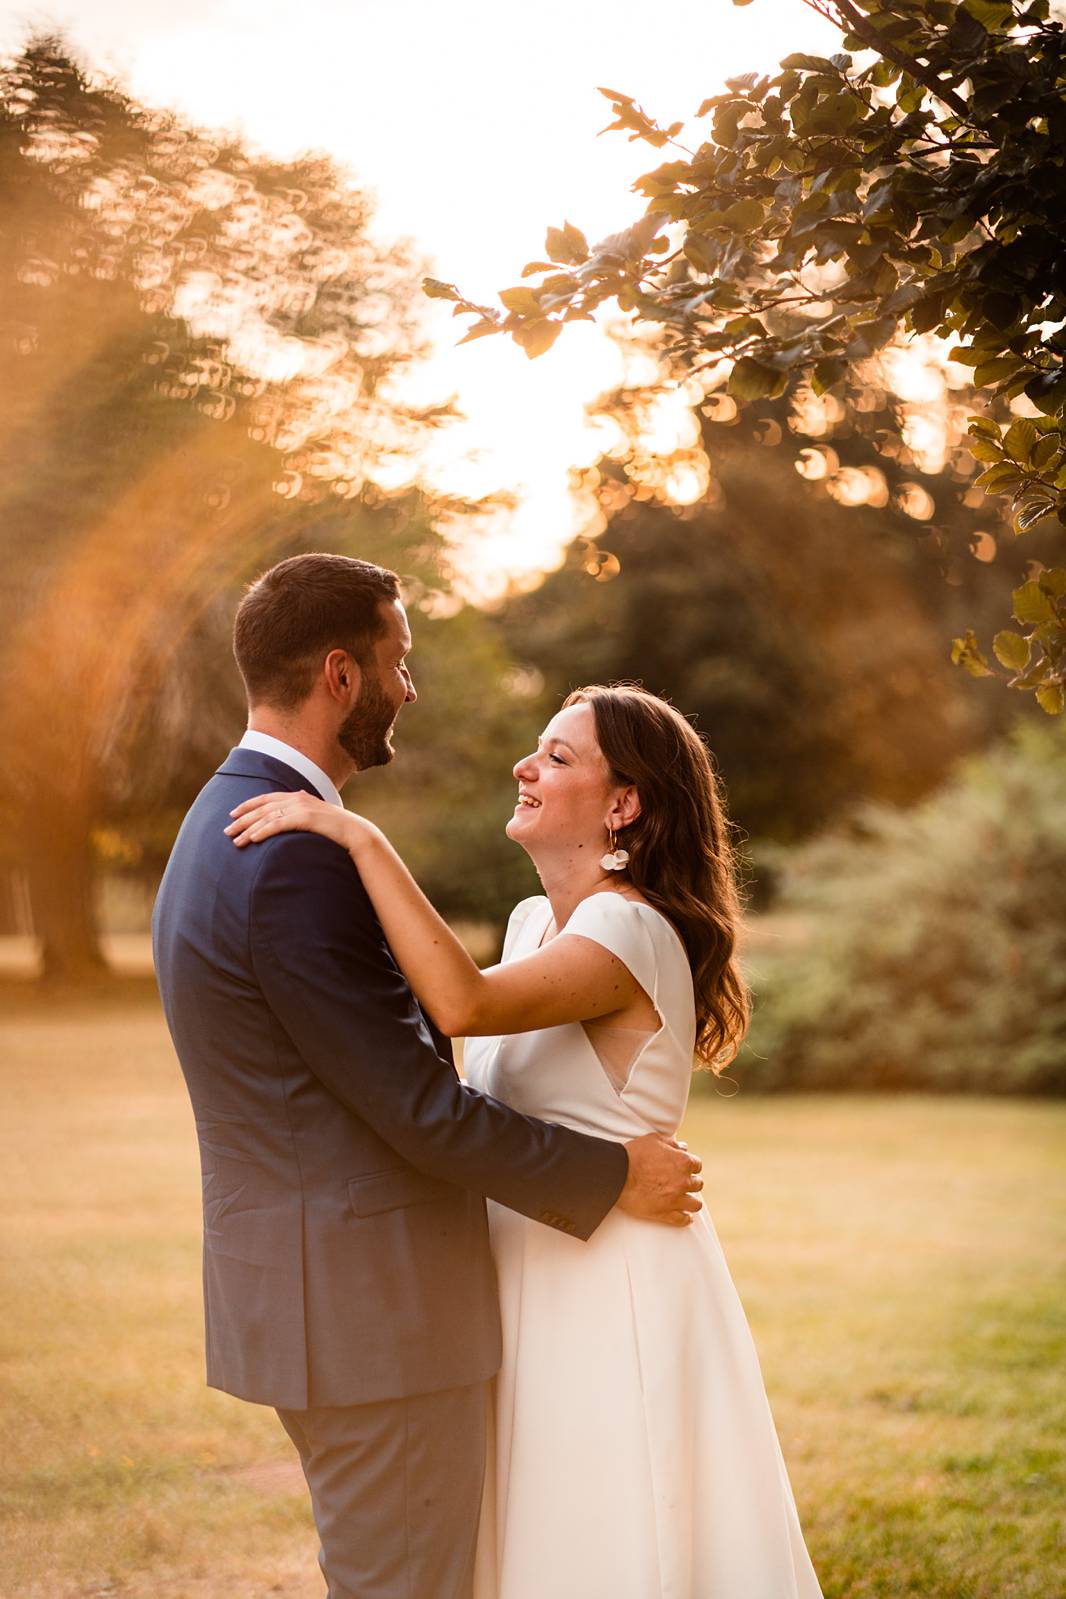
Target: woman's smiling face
566, 792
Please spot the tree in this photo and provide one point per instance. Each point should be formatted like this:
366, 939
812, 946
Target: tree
196, 349
732, 609
835, 203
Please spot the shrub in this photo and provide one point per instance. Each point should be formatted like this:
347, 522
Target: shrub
927, 947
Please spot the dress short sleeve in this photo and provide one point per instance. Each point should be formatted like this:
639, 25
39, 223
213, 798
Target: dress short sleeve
517, 920
620, 925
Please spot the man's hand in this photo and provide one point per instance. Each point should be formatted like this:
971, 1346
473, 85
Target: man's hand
664, 1181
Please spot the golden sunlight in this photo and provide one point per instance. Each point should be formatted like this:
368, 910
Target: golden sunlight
454, 139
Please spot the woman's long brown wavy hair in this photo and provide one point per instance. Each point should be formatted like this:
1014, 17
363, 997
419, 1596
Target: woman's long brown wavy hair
681, 855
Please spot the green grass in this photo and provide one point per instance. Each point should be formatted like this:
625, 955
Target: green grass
901, 1261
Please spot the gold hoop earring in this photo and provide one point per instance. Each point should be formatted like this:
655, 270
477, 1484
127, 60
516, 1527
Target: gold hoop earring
615, 859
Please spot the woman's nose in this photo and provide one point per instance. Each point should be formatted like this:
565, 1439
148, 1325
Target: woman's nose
524, 769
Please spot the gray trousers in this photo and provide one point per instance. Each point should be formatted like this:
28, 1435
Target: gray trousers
396, 1491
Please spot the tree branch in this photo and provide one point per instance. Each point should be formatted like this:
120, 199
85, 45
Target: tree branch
863, 30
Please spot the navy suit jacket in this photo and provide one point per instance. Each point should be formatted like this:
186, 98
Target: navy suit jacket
346, 1253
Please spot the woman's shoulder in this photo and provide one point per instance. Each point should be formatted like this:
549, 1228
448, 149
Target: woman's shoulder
637, 933
524, 908
518, 919
622, 910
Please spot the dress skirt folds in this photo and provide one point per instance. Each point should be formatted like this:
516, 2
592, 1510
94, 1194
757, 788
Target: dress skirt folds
632, 1452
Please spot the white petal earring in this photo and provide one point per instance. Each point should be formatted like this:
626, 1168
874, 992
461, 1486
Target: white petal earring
616, 859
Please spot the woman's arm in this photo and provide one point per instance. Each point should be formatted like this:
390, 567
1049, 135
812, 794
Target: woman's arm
572, 979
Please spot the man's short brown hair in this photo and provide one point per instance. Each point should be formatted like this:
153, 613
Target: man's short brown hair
295, 613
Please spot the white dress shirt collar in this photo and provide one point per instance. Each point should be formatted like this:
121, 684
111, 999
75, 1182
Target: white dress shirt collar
266, 744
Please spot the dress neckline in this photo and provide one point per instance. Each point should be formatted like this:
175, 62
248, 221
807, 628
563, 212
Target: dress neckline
640, 905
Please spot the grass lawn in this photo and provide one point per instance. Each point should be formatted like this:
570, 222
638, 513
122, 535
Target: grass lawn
901, 1261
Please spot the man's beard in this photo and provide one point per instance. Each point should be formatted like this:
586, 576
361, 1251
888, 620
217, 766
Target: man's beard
364, 733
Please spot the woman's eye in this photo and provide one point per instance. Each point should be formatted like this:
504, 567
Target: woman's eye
557, 759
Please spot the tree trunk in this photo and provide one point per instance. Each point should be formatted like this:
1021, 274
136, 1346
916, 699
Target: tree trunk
60, 873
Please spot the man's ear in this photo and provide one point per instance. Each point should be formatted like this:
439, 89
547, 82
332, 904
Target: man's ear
342, 675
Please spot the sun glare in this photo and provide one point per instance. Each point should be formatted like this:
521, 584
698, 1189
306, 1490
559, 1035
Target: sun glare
441, 112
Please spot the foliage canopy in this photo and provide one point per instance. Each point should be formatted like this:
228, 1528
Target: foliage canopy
918, 187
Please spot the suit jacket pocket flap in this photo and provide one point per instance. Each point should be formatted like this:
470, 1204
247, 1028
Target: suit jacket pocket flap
390, 1190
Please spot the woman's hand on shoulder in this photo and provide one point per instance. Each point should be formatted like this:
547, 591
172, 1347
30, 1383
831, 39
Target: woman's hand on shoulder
265, 815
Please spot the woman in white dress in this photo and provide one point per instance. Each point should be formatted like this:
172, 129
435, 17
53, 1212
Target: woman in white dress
632, 1452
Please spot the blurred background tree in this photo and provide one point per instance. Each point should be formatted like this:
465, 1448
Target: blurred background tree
197, 354
925, 948
796, 604
838, 202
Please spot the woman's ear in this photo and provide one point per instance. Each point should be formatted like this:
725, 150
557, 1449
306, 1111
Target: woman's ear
626, 808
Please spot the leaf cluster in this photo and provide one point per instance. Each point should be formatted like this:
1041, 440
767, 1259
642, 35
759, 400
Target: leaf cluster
913, 183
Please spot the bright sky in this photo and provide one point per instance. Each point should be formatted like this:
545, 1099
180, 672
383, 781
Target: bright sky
474, 123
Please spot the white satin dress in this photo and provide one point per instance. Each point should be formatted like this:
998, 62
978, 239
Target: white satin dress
632, 1453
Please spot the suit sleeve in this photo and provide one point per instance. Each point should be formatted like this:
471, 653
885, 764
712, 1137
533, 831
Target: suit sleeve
326, 971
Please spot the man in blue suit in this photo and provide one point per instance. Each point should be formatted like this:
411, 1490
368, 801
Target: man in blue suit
347, 1274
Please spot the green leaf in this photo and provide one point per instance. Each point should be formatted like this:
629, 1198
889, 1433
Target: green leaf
1019, 439
434, 289
577, 241
802, 63
537, 336
1011, 650
1053, 581
927, 312
1032, 512
521, 300
1044, 452
882, 74
826, 373
965, 653
835, 114
560, 246
1047, 390
998, 478
957, 230
1050, 698
995, 371
701, 252
910, 95
985, 450
991, 14
1001, 310
558, 283
745, 327
1031, 604
982, 427
750, 380
745, 215
479, 330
